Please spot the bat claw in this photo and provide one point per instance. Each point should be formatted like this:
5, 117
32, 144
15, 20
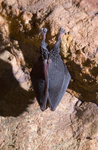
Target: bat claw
44, 31
62, 31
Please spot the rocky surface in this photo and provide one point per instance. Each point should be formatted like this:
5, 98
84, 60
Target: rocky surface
71, 126
79, 49
74, 125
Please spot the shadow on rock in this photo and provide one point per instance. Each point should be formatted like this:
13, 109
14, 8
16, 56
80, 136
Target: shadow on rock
14, 100
28, 40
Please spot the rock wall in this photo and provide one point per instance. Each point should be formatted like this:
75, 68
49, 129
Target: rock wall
21, 23
74, 124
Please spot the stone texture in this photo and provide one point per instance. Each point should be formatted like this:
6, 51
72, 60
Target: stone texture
23, 22
71, 126
74, 124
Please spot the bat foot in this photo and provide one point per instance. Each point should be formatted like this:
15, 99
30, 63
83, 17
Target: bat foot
44, 31
62, 31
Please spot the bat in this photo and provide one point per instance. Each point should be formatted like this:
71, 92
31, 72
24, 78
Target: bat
50, 76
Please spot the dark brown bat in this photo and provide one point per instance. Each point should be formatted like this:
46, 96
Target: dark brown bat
50, 76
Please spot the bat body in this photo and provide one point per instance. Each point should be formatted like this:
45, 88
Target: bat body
50, 76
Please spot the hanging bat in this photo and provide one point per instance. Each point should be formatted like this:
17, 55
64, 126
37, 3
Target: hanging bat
50, 76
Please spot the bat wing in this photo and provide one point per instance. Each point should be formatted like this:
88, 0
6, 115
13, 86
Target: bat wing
59, 78
39, 78
38, 82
